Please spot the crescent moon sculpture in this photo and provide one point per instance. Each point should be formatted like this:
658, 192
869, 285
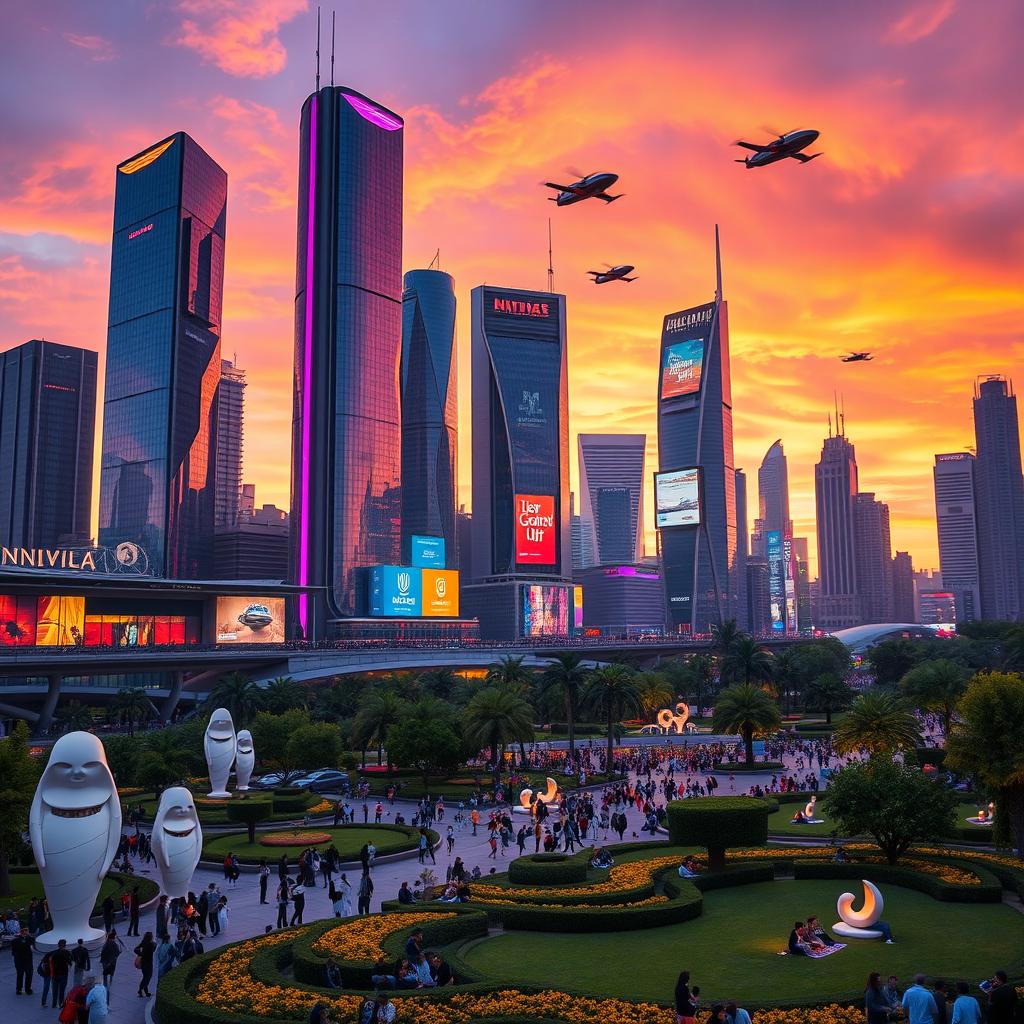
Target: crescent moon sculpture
674, 722
528, 802
809, 809
868, 914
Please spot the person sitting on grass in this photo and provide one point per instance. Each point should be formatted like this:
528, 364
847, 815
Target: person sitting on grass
842, 857
601, 859
798, 818
798, 945
736, 1014
405, 894
440, 970
332, 974
450, 894
815, 930
689, 868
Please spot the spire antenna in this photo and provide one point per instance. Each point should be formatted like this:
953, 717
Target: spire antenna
332, 46
551, 267
317, 47
718, 267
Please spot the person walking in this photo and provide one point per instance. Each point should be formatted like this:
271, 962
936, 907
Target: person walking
166, 956
876, 1007
365, 893
108, 914
144, 953
264, 879
97, 1001
212, 898
82, 962
298, 904
282, 905
686, 1008
21, 950
342, 902
222, 915
60, 966
109, 953
133, 912
162, 931
45, 972
919, 1003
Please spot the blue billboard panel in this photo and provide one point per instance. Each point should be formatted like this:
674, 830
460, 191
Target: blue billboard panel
428, 552
776, 580
396, 591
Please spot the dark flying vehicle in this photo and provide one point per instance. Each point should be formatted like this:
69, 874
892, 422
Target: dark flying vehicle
857, 357
590, 186
256, 617
618, 273
785, 146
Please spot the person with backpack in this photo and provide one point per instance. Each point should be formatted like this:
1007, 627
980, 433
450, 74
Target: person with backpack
60, 965
365, 894
144, 952
44, 972
82, 962
109, 953
73, 1011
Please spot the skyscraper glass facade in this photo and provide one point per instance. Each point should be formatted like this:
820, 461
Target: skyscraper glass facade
158, 474
430, 410
611, 496
346, 461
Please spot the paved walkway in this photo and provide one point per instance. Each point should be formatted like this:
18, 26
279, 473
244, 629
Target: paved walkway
248, 917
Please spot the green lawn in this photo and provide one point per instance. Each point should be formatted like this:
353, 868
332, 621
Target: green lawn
731, 950
348, 839
779, 821
209, 815
27, 884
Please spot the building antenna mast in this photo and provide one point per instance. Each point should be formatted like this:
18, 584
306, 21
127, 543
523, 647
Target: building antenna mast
332, 47
718, 268
551, 268
842, 407
317, 48
435, 260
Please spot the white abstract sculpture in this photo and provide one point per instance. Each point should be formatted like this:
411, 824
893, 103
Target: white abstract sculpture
177, 840
75, 828
856, 924
219, 746
528, 802
810, 811
245, 760
676, 723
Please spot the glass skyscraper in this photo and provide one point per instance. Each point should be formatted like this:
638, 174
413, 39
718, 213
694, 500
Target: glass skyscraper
47, 425
697, 533
611, 491
430, 410
158, 475
346, 435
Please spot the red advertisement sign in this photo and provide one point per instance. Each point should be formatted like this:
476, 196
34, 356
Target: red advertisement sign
535, 529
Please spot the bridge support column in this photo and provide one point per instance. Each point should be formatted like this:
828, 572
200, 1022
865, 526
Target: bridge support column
49, 704
174, 695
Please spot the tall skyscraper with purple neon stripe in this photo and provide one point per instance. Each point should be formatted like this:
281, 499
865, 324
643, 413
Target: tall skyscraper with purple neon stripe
346, 434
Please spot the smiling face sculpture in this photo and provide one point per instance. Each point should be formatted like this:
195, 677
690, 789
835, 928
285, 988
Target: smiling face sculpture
177, 840
75, 826
245, 759
219, 746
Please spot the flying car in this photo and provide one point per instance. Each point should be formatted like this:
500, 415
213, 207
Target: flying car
857, 357
590, 186
256, 617
785, 146
619, 273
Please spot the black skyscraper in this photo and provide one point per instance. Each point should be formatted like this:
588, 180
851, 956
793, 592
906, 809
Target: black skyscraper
158, 477
47, 424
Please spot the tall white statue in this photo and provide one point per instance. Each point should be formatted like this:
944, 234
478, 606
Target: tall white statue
245, 760
219, 746
177, 840
75, 828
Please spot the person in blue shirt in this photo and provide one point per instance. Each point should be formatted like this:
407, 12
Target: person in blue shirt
965, 1007
919, 1003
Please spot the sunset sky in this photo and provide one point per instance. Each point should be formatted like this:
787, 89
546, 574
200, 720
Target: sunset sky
905, 238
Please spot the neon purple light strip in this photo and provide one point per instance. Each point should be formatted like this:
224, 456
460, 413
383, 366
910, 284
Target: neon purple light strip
307, 373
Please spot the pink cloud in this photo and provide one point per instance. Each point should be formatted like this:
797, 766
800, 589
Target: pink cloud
241, 38
920, 21
98, 48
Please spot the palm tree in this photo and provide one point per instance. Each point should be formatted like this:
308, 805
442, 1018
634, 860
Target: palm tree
655, 692
239, 694
131, 705
494, 717
378, 711
440, 683
879, 722
936, 686
74, 716
828, 693
510, 673
283, 694
746, 709
612, 690
165, 749
724, 636
747, 662
566, 676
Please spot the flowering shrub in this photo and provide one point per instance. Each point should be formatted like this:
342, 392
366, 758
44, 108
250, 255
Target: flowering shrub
321, 807
360, 938
295, 837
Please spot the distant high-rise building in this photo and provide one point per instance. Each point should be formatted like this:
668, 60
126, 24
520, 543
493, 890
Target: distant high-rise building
874, 558
804, 619
758, 597
464, 544
255, 547
346, 432
695, 499
835, 488
230, 433
956, 522
742, 551
904, 608
578, 538
772, 497
999, 500
247, 500
938, 608
47, 424
158, 474
430, 411
611, 496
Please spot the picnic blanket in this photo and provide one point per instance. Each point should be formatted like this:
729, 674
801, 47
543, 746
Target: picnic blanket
827, 951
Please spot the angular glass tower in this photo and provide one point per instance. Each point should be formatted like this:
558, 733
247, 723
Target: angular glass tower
346, 436
695, 433
430, 410
157, 481
611, 490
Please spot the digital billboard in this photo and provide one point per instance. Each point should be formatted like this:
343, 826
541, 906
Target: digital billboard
396, 591
17, 620
427, 552
776, 580
677, 497
440, 593
535, 529
545, 610
681, 365
250, 620
577, 607
60, 621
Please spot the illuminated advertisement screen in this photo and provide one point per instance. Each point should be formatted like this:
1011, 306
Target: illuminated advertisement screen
17, 620
677, 498
428, 552
776, 580
681, 365
440, 593
545, 610
535, 529
250, 620
60, 621
577, 607
396, 591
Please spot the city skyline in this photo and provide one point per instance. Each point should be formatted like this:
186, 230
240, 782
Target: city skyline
934, 296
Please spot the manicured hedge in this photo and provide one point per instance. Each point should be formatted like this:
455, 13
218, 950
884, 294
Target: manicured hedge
293, 802
734, 874
718, 823
738, 767
990, 891
550, 869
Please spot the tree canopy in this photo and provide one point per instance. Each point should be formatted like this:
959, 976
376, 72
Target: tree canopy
19, 774
746, 709
878, 721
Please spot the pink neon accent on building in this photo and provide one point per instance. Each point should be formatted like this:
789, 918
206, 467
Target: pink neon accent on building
374, 114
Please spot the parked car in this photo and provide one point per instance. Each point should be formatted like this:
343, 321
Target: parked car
325, 780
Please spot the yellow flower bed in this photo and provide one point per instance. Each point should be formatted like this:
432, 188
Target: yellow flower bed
229, 987
320, 808
574, 906
295, 837
205, 801
129, 790
360, 938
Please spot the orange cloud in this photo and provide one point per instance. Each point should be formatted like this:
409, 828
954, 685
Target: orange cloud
238, 36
